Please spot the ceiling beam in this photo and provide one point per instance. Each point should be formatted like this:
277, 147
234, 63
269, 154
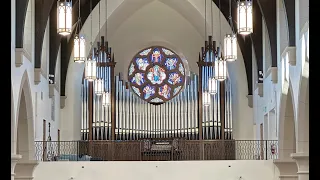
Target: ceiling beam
256, 37
54, 39
268, 9
21, 12
42, 11
291, 21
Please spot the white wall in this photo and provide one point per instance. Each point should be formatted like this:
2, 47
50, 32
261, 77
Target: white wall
177, 25
40, 104
273, 101
187, 170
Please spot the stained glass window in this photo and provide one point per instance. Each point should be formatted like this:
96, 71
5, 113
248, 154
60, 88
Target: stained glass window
156, 74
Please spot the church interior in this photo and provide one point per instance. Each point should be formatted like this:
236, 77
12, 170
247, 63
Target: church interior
160, 89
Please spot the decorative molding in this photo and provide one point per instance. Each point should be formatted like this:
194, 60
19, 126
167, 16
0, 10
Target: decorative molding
260, 89
51, 90
24, 169
291, 55
287, 169
37, 76
20, 53
274, 74
14, 159
302, 160
250, 100
62, 101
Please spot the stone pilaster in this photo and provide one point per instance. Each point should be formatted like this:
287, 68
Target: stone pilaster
24, 169
14, 159
287, 169
302, 161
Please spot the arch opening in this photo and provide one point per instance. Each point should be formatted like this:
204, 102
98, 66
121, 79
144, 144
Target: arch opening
287, 140
22, 129
303, 120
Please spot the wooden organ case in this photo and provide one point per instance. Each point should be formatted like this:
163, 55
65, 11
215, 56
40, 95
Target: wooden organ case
157, 132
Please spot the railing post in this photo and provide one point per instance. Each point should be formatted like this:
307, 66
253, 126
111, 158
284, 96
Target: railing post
78, 153
266, 149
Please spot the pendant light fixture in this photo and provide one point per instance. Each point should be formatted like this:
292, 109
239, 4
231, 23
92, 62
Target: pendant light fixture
64, 14
230, 41
212, 86
99, 82
91, 64
220, 65
206, 99
79, 49
106, 99
91, 68
244, 12
220, 70
99, 86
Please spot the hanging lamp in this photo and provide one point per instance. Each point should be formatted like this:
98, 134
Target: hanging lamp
64, 15
230, 41
91, 68
220, 65
99, 86
206, 98
91, 63
212, 86
106, 99
79, 46
244, 12
99, 82
220, 70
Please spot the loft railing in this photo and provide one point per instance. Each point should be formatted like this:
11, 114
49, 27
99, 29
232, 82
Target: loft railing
156, 150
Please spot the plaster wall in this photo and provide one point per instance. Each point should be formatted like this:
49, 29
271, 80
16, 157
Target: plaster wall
291, 78
189, 170
40, 101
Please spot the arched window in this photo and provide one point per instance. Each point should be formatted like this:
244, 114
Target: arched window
156, 74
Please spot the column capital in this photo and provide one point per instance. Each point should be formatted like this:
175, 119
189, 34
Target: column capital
14, 159
302, 161
286, 167
24, 169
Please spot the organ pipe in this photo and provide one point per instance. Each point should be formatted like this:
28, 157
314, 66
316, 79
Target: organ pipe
136, 119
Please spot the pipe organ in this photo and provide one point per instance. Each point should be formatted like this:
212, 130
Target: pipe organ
129, 117
136, 119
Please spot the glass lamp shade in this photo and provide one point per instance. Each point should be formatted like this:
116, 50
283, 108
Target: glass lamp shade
99, 86
212, 86
79, 49
106, 99
244, 12
64, 17
91, 70
220, 69
206, 98
230, 50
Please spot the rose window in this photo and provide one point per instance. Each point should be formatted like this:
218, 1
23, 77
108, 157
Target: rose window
156, 74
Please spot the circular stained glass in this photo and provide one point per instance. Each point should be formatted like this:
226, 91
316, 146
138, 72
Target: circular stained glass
156, 74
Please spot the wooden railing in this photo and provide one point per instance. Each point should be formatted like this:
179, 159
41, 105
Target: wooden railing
156, 150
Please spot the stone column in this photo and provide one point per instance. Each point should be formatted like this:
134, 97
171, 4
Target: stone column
24, 169
14, 159
302, 161
287, 169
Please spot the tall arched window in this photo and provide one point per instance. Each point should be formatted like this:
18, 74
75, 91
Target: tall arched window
156, 74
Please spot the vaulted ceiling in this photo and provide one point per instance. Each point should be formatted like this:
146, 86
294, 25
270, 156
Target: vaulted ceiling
44, 9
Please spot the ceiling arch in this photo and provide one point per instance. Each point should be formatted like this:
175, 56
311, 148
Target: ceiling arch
119, 11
